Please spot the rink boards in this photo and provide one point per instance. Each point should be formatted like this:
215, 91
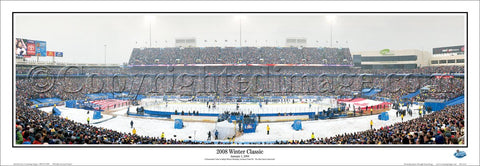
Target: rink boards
190, 118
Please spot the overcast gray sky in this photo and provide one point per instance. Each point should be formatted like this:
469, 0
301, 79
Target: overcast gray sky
82, 36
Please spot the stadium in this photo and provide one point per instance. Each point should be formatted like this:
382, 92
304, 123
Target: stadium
235, 93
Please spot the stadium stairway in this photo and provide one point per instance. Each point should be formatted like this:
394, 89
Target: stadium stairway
409, 96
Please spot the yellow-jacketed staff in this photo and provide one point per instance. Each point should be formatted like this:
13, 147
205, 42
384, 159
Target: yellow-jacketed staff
371, 124
268, 130
420, 111
313, 136
371, 111
88, 120
163, 135
402, 117
134, 131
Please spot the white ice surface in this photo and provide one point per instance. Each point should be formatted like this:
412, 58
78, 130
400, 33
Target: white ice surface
198, 130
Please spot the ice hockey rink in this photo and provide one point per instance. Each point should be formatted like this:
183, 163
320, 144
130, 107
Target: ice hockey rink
279, 131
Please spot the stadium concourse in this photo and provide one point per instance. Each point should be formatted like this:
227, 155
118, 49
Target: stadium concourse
352, 119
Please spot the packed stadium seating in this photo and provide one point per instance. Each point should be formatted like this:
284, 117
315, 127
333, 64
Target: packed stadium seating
43, 128
237, 55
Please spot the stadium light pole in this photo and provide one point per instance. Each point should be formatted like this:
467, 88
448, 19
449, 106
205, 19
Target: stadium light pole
149, 19
241, 49
331, 21
241, 17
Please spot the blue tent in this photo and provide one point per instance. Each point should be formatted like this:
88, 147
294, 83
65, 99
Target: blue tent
297, 125
383, 116
97, 115
178, 124
55, 111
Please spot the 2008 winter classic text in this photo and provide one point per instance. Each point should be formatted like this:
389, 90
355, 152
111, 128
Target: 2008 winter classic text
239, 154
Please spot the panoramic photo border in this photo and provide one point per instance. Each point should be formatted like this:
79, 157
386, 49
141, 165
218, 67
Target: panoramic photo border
240, 145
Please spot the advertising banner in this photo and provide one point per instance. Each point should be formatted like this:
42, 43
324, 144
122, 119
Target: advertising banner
451, 49
50, 53
30, 47
40, 48
444, 77
59, 54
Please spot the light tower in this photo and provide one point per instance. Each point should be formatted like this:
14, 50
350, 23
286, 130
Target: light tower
149, 19
331, 21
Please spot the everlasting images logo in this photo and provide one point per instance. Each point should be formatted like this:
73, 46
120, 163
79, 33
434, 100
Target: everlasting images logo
460, 154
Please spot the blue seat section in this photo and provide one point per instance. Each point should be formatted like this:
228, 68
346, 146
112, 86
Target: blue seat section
440, 106
458, 100
370, 92
46, 102
411, 95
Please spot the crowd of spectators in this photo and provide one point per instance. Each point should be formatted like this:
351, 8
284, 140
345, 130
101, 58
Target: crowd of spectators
85, 70
280, 82
243, 55
34, 126
442, 127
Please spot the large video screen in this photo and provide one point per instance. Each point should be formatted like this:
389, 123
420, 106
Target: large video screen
27, 47
20, 47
